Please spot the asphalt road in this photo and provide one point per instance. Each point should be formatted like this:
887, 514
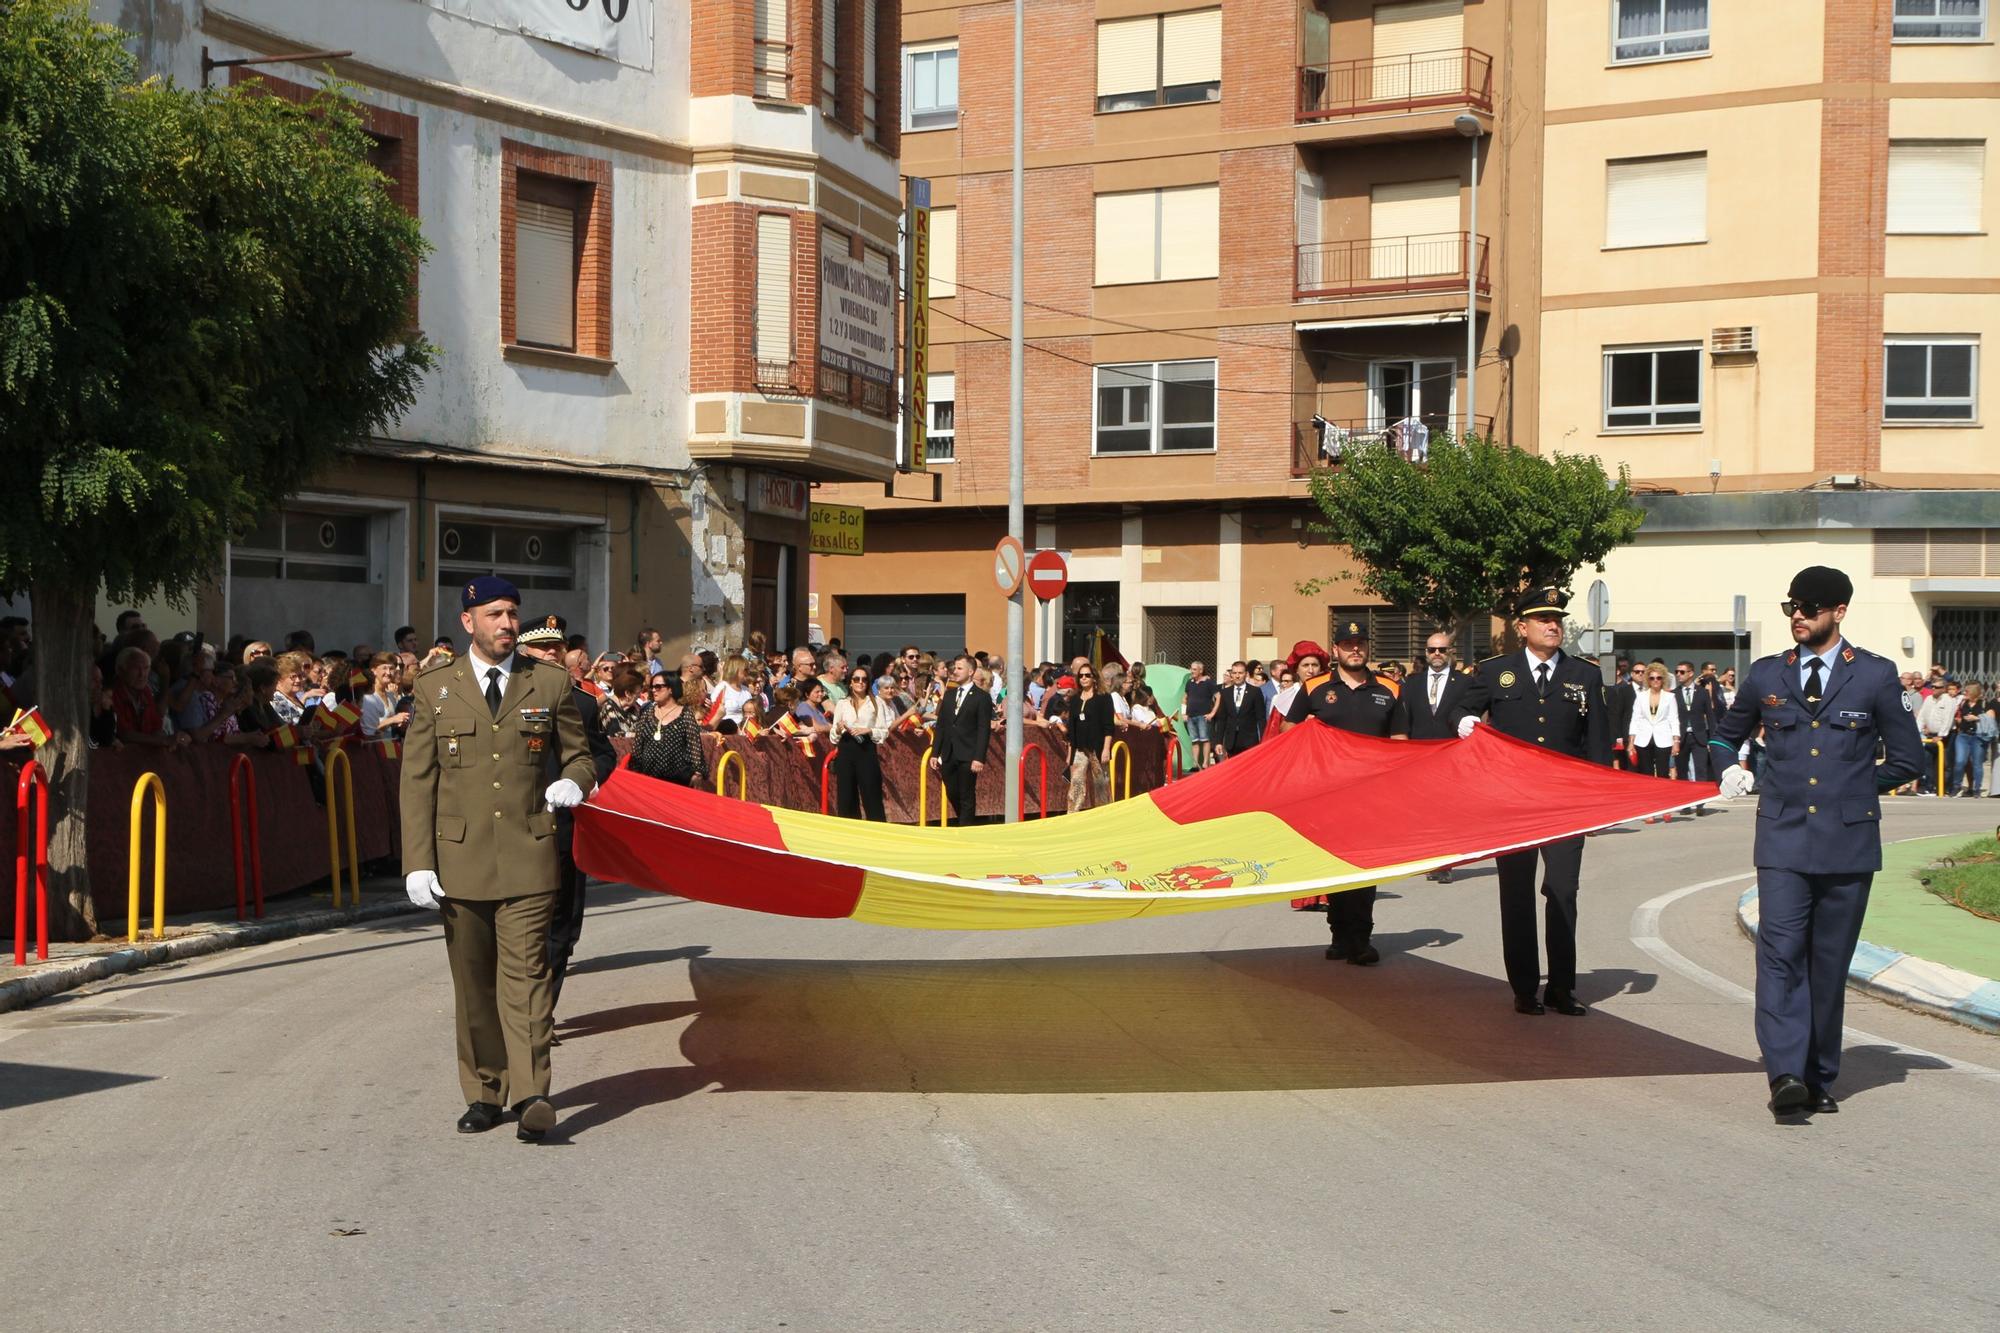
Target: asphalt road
1194, 1122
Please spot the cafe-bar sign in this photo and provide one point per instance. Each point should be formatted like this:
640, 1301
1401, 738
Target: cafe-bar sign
620, 30
836, 529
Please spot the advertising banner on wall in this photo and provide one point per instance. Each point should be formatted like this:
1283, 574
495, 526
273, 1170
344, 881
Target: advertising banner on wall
857, 314
620, 30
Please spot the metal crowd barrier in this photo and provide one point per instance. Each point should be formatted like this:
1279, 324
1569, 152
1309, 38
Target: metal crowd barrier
337, 766
32, 778
240, 805
148, 782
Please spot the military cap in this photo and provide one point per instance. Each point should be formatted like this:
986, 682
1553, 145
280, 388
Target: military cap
1822, 586
1349, 629
488, 588
1540, 601
549, 629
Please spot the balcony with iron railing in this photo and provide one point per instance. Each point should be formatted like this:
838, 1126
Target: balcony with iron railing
1388, 85
1388, 266
1320, 443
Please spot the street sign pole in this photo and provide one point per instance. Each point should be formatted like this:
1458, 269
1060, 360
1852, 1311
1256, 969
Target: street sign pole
1017, 524
1739, 628
1599, 603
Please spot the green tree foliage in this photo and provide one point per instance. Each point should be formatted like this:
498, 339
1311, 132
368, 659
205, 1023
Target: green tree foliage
1478, 523
203, 294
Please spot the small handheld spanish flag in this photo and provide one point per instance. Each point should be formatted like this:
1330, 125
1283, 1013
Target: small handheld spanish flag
751, 729
713, 716
285, 736
357, 679
28, 721
339, 716
391, 748
303, 756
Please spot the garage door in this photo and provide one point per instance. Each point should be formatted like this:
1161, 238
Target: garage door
935, 622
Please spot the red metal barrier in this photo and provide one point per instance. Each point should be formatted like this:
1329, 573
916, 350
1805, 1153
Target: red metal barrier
31, 778
825, 775
1173, 760
1042, 769
237, 807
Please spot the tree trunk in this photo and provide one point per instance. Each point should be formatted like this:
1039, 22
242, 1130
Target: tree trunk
62, 626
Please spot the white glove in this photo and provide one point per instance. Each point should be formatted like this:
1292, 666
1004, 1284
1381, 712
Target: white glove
1465, 726
563, 794
423, 888
1736, 780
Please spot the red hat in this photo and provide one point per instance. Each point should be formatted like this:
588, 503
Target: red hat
1306, 648
1065, 682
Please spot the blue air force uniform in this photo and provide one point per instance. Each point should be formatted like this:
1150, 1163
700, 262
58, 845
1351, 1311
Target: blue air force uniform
1819, 828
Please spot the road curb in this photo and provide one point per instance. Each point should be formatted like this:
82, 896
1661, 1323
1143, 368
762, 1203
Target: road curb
24, 991
1914, 983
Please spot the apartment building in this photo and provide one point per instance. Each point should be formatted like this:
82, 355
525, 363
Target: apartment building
629, 202
1240, 217
1740, 249
1768, 287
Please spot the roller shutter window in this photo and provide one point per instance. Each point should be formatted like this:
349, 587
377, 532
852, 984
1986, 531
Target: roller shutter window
1128, 63
944, 253
1416, 50
1935, 186
1656, 201
829, 56
1190, 233
545, 275
1901, 553
1191, 57
771, 60
1413, 229
774, 290
1127, 237
868, 79
930, 87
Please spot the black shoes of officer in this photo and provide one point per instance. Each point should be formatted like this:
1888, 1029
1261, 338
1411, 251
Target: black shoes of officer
1361, 953
1528, 1004
478, 1118
1564, 1003
538, 1117
1790, 1098
1440, 876
1822, 1101
1336, 950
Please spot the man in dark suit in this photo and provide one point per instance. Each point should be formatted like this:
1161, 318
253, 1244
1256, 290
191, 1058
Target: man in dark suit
964, 730
1823, 706
1434, 699
1239, 712
544, 641
1543, 696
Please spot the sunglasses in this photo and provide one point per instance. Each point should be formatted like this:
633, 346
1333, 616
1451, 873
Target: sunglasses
1806, 609
659, 685
1429, 651
1656, 678
1086, 675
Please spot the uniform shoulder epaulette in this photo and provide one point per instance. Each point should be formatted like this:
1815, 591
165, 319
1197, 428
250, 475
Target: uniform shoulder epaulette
1319, 680
1495, 658
436, 667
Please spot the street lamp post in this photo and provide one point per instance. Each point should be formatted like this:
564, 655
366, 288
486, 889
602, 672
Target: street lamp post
1469, 126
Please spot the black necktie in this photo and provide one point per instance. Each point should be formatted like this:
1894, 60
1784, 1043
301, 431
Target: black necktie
1813, 684
493, 689
1542, 679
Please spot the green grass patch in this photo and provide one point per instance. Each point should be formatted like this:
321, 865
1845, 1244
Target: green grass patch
1969, 877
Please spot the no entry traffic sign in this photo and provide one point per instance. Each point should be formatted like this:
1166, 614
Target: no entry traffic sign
1048, 574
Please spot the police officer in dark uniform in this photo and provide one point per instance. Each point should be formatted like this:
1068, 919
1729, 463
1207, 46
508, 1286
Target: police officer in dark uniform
1352, 698
545, 640
1545, 697
1823, 706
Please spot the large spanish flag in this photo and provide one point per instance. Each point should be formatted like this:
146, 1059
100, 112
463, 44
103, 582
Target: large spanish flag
1312, 811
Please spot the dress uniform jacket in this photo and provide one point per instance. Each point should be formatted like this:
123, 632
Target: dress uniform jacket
1571, 719
473, 784
1818, 810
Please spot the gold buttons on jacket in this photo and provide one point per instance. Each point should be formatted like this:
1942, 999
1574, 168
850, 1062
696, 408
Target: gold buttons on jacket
496, 786
1812, 782
1812, 809
1815, 724
1815, 754
496, 756
496, 814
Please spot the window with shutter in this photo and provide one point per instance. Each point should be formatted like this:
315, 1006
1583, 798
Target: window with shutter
868, 80
1159, 60
545, 274
771, 48
930, 87
1128, 63
1127, 237
829, 57
1935, 186
1416, 49
1656, 200
774, 299
944, 253
1957, 552
1413, 229
1940, 20
1190, 233
1901, 553
1191, 56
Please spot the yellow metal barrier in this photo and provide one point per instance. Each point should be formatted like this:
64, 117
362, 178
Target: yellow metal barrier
1943, 746
147, 782
722, 775
924, 791
338, 766
1120, 748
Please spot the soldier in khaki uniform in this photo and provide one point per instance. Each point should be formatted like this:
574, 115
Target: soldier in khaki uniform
479, 845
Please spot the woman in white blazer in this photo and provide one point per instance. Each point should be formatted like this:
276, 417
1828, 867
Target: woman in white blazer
1656, 724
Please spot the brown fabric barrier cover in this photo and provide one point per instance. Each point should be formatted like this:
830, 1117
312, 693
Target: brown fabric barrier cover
780, 773
291, 825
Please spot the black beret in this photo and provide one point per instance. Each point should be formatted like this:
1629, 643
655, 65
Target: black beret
1822, 586
488, 588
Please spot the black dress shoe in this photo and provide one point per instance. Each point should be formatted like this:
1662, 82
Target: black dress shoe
1528, 1004
538, 1117
478, 1118
1336, 951
1821, 1101
1564, 1003
1789, 1097
1363, 954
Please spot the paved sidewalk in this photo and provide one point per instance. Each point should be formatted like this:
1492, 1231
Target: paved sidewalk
72, 965
1918, 950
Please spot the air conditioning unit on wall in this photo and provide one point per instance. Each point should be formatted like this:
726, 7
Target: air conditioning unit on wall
1737, 340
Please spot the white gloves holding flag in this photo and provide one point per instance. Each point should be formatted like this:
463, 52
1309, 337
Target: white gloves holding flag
423, 888
1737, 780
563, 794
1465, 726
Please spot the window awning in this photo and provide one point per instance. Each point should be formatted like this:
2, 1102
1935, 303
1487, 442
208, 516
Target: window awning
1379, 322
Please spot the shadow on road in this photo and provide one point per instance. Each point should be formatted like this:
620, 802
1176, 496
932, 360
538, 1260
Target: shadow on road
1866, 1067
612, 962
1245, 1021
24, 1085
